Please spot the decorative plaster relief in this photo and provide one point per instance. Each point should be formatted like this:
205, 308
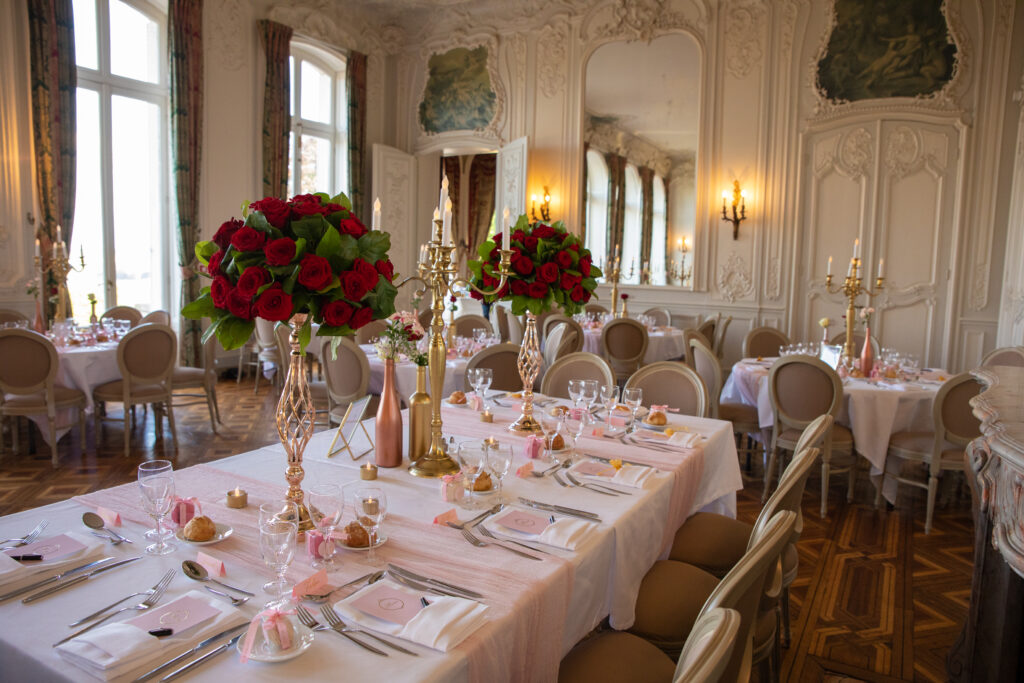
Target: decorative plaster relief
773, 284
979, 285
734, 280
512, 162
227, 49
608, 137
856, 154
744, 35
551, 57
901, 151
639, 20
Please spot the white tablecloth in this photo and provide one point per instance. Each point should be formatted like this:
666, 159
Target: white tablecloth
605, 572
405, 374
873, 410
665, 344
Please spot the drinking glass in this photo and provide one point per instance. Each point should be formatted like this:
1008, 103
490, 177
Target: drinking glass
481, 380
371, 504
576, 422
550, 425
326, 504
472, 456
575, 391
499, 463
590, 391
156, 486
609, 397
480, 335
632, 398
279, 527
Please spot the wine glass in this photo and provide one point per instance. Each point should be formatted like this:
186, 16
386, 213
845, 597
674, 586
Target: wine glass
482, 378
472, 457
550, 426
609, 397
326, 505
150, 469
499, 462
632, 398
576, 421
575, 391
279, 527
590, 390
156, 486
371, 504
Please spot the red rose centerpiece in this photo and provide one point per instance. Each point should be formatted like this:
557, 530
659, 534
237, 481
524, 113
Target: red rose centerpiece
308, 255
550, 268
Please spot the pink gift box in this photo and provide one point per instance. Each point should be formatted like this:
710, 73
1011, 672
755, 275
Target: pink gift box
475, 402
452, 487
534, 447
184, 510
314, 544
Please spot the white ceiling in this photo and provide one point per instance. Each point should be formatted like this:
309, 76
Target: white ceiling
651, 90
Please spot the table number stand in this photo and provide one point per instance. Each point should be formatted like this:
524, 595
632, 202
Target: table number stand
355, 411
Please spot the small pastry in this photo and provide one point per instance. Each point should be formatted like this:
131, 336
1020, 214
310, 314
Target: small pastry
555, 442
356, 536
515, 395
622, 409
457, 398
483, 482
657, 418
558, 411
199, 529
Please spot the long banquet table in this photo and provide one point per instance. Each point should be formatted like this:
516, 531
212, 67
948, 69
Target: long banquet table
536, 610
83, 368
665, 343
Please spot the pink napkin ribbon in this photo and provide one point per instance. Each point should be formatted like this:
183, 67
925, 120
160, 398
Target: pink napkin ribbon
268, 618
534, 446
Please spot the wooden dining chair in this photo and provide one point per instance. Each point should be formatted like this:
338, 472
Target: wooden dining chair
146, 357
159, 317
204, 378
28, 373
764, 342
595, 308
662, 316
371, 330
566, 337
941, 450
1008, 355
858, 342
744, 418
617, 656
465, 324
707, 329
347, 375
623, 343
674, 384
500, 322
132, 315
549, 322
501, 359
8, 315
515, 327
720, 331
425, 317
578, 365
801, 388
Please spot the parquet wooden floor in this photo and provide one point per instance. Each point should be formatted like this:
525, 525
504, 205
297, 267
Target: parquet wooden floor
875, 600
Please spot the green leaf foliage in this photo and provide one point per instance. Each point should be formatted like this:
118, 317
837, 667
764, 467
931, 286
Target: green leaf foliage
204, 250
374, 246
233, 333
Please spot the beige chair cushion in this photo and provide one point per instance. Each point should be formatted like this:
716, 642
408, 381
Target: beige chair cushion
711, 542
737, 412
188, 377
61, 395
670, 599
918, 442
615, 656
790, 563
764, 629
141, 393
841, 436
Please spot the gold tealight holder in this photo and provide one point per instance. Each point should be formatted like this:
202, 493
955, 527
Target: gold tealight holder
238, 499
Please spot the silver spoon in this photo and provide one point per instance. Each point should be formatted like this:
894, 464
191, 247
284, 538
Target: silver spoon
94, 521
197, 572
234, 601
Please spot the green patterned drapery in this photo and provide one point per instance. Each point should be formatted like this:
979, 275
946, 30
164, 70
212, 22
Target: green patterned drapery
185, 60
616, 201
481, 200
355, 84
646, 213
276, 39
54, 81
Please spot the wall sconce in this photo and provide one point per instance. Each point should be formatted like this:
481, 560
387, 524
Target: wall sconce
545, 207
677, 270
739, 200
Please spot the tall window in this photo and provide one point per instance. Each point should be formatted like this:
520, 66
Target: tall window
659, 229
318, 145
631, 227
121, 198
597, 207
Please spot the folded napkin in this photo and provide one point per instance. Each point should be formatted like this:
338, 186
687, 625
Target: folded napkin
441, 625
117, 649
685, 439
627, 475
567, 533
15, 575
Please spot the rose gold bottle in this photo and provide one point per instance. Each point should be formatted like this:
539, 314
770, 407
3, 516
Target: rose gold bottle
389, 422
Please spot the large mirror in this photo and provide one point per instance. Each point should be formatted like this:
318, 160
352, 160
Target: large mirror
641, 133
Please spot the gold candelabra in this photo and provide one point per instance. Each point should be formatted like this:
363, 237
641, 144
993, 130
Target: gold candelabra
852, 287
438, 273
677, 270
60, 266
614, 274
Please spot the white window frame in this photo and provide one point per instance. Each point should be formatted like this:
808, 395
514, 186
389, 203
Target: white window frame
632, 226
107, 84
659, 232
597, 207
336, 131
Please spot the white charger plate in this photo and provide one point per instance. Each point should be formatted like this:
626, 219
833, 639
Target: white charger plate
223, 531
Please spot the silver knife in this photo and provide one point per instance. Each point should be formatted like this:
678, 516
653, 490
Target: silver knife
188, 653
55, 577
572, 512
628, 462
595, 486
406, 581
196, 662
77, 580
437, 582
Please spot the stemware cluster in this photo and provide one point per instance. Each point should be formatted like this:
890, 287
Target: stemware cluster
480, 379
802, 349
477, 457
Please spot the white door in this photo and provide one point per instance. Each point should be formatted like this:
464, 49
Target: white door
394, 182
510, 186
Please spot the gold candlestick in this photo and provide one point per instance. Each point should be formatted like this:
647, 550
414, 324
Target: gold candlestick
438, 274
60, 266
852, 288
613, 277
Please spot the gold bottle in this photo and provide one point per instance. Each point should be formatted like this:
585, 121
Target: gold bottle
419, 417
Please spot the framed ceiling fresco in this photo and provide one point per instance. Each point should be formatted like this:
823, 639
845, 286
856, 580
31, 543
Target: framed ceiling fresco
886, 48
458, 94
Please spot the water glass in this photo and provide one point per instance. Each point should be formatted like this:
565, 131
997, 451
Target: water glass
575, 391
326, 505
576, 422
632, 398
279, 528
156, 486
472, 457
550, 426
499, 463
590, 392
481, 379
609, 397
371, 505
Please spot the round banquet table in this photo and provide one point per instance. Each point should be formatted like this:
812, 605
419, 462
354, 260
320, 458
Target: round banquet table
873, 410
666, 343
405, 374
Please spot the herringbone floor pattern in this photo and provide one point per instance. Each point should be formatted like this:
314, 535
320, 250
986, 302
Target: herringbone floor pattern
875, 600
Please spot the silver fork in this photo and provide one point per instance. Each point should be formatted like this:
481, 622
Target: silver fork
600, 488
152, 599
113, 541
468, 535
336, 623
476, 520
26, 539
234, 601
309, 622
544, 473
486, 532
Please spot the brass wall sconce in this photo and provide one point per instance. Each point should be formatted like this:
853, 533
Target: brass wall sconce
545, 206
739, 201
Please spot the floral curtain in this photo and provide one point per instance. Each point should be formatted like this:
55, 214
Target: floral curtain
585, 194
54, 82
276, 110
481, 200
646, 213
185, 59
616, 201
355, 83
